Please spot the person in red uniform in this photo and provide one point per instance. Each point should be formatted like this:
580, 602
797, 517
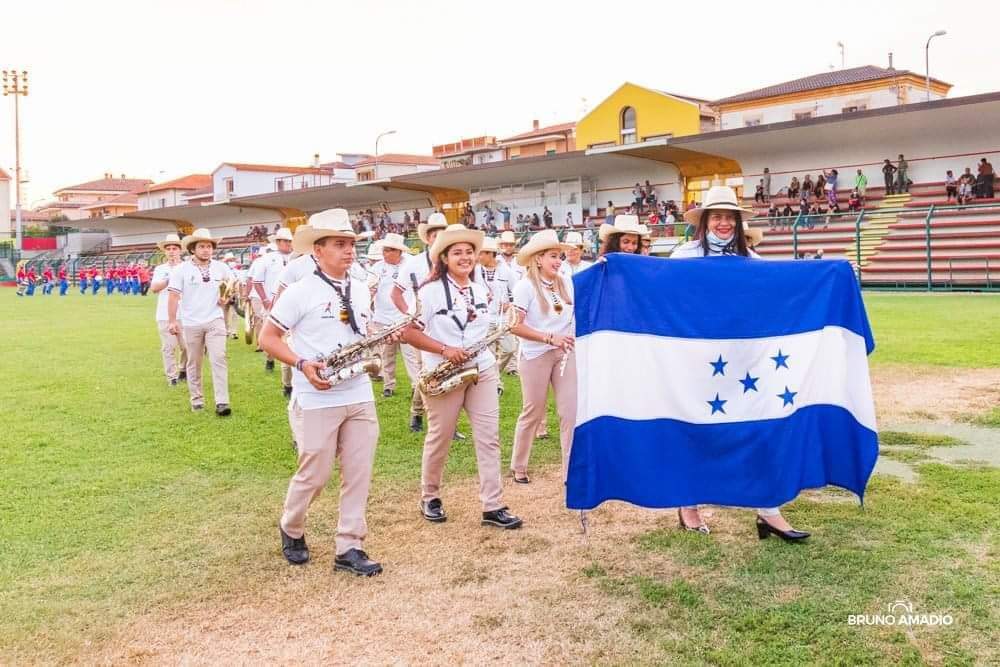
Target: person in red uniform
31, 278
81, 279
49, 278
22, 280
63, 281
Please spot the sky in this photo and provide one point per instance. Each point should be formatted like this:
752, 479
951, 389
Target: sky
157, 89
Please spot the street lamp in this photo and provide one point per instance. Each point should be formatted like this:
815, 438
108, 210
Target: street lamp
841, 45
16, 83
377, 139
927, 60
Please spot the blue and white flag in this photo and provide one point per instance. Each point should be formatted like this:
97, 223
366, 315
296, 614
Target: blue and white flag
719, 380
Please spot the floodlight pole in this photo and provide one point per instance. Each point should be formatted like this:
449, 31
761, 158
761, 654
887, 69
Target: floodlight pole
16, 83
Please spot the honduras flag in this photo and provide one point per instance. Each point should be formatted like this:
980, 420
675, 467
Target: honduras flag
719, 380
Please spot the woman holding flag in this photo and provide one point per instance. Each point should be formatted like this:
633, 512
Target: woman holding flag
719, 230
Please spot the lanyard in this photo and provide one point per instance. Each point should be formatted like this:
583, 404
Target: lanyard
346, 307
470, 308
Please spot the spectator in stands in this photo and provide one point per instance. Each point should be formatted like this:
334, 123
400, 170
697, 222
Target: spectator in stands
650, 194
888, 169
758, 195
950, 186
772, 216
831, 187
966, 186
984, 182
520, 223
766, 181
416, 217
854, 201
569, 219
638, 196
547, 217
819, 254
653, 219
793, 188
902, 182
406, 221
505, 212
861, 183
807, 186
819, 190
609, 214
535, 222
669, 218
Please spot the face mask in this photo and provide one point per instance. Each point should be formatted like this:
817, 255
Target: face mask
717, 245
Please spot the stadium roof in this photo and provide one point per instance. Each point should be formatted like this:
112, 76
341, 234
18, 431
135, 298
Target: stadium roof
839, 77
189, 182
107, 184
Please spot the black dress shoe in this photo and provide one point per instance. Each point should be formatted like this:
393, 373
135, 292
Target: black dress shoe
501, 518
764, 529
222, 409
287, 391
417, 423
357, 562
520, 480
386, 393
294, 548
182, 376
269, 365
173, 382
433, 510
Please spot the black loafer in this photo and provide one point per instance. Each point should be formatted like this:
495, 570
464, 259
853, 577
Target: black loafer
222, 409
197, 407
182, 376
501, 518
287, 391
764, 529
416, 423
386, 393
173, 382
269, 365
433, 510
294, 548
520, 480
357, 562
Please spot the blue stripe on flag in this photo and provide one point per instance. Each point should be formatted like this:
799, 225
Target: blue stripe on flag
669, 463
734, 298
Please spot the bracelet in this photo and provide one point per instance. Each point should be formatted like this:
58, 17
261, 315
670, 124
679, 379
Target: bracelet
300, 364
548, 339
443, 348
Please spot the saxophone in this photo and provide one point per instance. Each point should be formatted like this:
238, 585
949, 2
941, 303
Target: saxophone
360, 357
449, 376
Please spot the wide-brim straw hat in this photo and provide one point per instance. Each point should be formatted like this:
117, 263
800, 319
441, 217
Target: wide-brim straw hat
171, 239
453, 234
574, 239
718, 197
283, 234
394, 242
331, 222
434, 221
754, 234
547, 239
490, 245
646, 231
508, 237
229, 256
199, 235
624, 224
375, 251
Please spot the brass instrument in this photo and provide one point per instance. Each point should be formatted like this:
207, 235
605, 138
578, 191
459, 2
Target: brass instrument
449, 376
359, 357
227, 290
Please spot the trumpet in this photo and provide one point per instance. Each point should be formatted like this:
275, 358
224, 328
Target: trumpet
359, 357
449, 376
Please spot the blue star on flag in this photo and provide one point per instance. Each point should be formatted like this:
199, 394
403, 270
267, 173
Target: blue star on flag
749, 383
780, 360
718, 366
717, 405
788, 397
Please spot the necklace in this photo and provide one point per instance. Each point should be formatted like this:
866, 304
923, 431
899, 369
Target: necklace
556, 301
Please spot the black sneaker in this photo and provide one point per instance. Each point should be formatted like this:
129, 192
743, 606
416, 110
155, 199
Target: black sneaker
173, 382
501, 518
433, 510
269, 365
417, 423
357, 562
197, 407
294, 548
182, 376
287, 391
222, 409
387, 393
377, 378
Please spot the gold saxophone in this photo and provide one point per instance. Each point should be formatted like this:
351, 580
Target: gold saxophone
227, 289
359, 357
449, 376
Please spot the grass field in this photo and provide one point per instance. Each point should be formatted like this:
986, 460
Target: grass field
119, 504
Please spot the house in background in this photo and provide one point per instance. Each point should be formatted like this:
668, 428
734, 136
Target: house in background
172, 193
466, 152
123, 204
70, 201
394, 164
240, 179
633, 114
547, 140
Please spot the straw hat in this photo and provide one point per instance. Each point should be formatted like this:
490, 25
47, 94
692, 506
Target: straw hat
375, 251
171, 239
283, 234
332, 222
547, 239
646, 231
754, 234
199, 235
718, 197
434, 221
229, 256
574, 239
490, 245
508, 237
624, 224
393, 242
453, 234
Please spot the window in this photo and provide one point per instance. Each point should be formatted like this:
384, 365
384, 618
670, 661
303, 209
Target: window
229, 186
803, 115
854, 107
163, 202
751, 121
628, 132
279, 185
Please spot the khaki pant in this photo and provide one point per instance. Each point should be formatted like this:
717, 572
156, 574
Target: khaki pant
198, 338
260, 314
503, 349
483, 407
348, 433
536, 376
411, 359
169, 346
229, 317
286, 375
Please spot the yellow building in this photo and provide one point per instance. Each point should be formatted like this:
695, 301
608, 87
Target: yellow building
633, 114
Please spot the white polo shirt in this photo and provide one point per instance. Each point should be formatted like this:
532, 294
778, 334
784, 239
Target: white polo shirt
162, 272
516, 270
385, 276
199, 299
568, 270
297, 269
452, 327
526, 300
252, 270
416, 268
267, 271
310, 311
498, 281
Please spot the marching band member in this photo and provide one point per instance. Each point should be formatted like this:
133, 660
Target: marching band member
497, 278
49, 280
645, 240
229, 310
265, 281
720, 231
623, 236
31, 279
454, 317
254, 298
544, 303
415, 271
507, 243
170, 343
63, 276
575, 263
22, 280
195, 304
81, 279
384, 276
321, 312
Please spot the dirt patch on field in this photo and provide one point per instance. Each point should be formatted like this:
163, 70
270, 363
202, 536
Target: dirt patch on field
908, 393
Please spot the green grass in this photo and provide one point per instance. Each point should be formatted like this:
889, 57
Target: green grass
117, 500
960, 330
918, 440
991, 418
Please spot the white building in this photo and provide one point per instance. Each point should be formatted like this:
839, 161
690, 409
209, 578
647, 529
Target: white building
71, 202
172, 193
238, 179
394, 164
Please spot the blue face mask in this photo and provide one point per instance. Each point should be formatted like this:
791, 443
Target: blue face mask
717, 245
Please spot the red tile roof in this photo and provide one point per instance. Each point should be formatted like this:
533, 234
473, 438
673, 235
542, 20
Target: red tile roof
561, 128
401, 158
4, 176
110, 185
189, 182
125, 199
278, 169
819, 81
200, 192
336, 165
